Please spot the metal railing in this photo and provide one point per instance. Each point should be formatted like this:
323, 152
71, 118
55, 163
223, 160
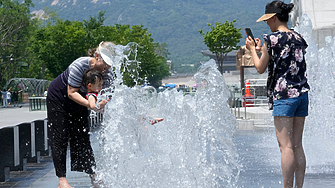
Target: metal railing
95, 119
243, 101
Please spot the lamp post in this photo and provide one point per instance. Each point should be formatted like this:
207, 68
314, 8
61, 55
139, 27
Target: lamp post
10, 57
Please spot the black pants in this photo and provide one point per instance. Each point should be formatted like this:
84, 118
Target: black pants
69, 123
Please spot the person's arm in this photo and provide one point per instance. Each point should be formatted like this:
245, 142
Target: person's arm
9, 89
260, 63
91, 102
76, 97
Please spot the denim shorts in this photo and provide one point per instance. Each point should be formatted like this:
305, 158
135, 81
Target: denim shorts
291, 107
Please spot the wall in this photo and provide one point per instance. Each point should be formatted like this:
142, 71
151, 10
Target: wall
322, 15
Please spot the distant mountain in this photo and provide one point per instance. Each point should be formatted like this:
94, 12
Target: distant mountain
175, 22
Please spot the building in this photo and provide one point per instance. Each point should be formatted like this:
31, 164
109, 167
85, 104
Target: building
180, 79
322, 15
229, 63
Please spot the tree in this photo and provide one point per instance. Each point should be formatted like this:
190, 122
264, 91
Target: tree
92, 28
15, 29
162, 71
152, 65
57, 44
222, 39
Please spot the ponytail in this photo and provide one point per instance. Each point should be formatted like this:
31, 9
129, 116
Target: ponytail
285, 10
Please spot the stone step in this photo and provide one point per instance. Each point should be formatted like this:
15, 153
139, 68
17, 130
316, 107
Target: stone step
254, 124
258, 121
251, 115
264, 127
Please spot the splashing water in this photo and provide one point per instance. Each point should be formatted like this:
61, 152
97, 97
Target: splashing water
192, 147
319, 137
319, 132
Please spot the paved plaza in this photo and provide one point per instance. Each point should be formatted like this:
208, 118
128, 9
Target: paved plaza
41, 174
255, 173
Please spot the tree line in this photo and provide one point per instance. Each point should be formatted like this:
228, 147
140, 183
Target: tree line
44, 47
173, 22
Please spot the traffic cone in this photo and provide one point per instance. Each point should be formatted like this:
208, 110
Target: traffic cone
247, 88
247, 96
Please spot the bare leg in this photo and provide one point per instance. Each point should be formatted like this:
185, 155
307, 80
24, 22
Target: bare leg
300, 164
284, 132
62, 183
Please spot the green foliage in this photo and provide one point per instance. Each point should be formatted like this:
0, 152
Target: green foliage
151, 63
57, 45
222, 39
15, 29
93, 28
161, 50
160, 72
174, 22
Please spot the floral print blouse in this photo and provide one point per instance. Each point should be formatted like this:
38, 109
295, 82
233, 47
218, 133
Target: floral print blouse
287, 66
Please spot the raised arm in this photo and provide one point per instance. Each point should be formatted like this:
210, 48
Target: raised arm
260, 63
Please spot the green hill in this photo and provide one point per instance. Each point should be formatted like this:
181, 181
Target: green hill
175, 22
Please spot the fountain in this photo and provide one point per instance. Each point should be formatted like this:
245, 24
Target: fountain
197, 145
319, 140
29, 85
192, 147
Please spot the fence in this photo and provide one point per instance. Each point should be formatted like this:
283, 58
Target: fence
26, 143
96, 119
22, 144
237, 105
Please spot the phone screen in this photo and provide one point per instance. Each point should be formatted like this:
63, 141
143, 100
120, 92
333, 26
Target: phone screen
249, 34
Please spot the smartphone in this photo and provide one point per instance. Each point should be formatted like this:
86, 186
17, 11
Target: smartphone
249, 34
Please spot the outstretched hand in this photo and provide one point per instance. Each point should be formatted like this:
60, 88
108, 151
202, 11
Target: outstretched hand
101, 105
156, 120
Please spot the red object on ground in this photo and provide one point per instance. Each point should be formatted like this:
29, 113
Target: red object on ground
247, 96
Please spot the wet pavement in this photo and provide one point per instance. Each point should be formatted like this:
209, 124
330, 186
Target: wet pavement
15, 115
259, 169
38, 175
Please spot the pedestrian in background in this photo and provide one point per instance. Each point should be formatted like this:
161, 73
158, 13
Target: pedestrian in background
9, 99
4, 97
15, 98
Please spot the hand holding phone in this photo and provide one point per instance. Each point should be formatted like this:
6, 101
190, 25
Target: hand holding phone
249, 34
